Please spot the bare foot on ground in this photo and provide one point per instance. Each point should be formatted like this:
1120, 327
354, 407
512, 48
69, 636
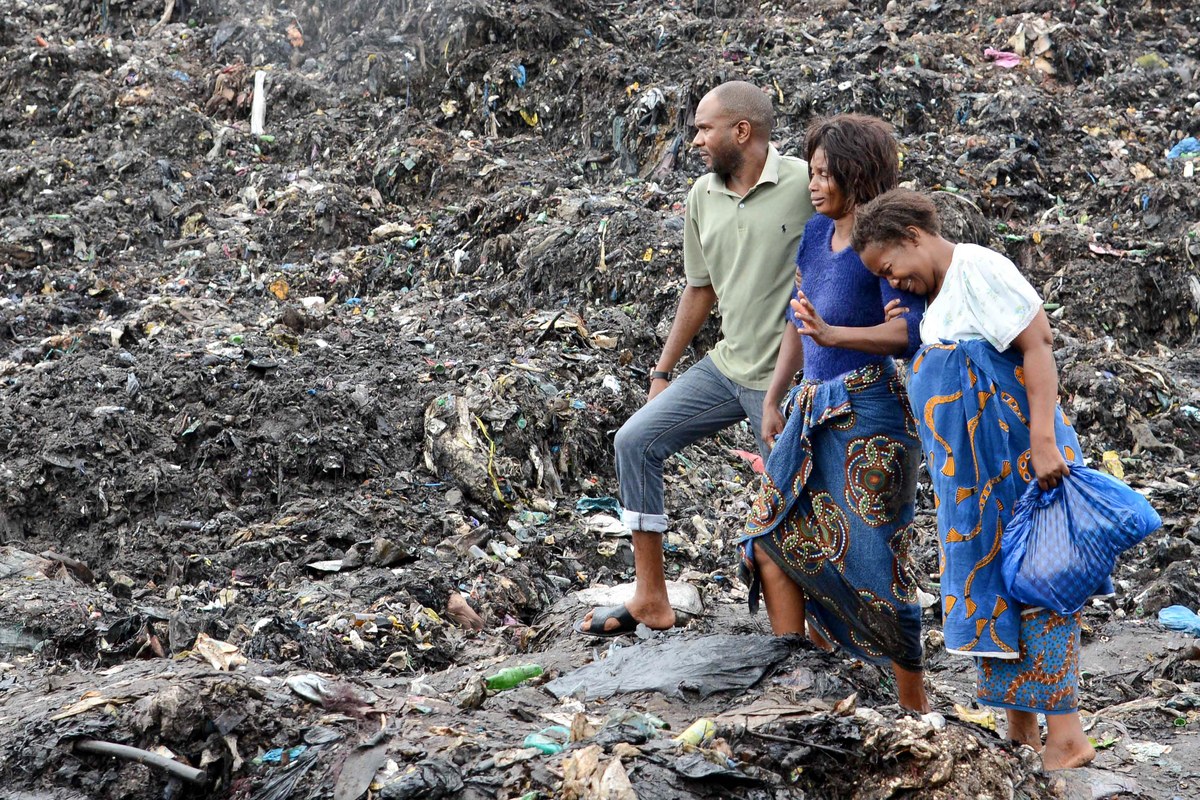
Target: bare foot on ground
656, 616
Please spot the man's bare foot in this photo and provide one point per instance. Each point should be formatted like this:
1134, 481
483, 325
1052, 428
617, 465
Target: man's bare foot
656, 616
1057, 755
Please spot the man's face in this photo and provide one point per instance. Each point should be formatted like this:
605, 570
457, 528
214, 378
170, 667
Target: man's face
715, 138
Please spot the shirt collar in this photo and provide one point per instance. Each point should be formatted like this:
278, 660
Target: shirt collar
769, 174
770, 170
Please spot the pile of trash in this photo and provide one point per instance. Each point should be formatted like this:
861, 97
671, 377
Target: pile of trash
318, 319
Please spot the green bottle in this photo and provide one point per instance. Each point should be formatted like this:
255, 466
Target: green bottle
512, 676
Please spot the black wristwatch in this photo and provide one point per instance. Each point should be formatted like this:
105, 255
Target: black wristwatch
660, 374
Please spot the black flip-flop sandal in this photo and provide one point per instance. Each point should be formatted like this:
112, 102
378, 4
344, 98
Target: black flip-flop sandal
600, 616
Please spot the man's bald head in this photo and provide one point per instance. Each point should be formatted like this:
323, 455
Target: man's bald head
741, 100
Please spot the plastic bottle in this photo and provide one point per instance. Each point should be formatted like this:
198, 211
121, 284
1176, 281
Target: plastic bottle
699, 731
512, 676
550, 741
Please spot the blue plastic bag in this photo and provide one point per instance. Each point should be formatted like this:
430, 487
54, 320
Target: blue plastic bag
1180, 618
1061, 544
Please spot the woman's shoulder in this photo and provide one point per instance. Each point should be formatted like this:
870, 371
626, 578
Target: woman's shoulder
981, 268
977, 257
818, 222
816, 231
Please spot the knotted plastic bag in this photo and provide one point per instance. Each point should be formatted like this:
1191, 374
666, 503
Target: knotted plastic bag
1180, 618
1061, 544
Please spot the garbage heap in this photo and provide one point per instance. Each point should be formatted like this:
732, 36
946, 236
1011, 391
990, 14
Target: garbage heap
333, 396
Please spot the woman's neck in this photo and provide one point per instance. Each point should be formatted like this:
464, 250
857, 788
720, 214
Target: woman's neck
943, 256
842, 228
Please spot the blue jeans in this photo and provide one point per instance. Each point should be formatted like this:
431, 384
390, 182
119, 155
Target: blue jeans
697, 404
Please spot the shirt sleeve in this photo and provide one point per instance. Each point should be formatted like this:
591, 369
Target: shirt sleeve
998, 297
797, 280
695, 266
916, 311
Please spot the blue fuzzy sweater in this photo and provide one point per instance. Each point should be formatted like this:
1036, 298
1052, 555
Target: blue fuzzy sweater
844, 292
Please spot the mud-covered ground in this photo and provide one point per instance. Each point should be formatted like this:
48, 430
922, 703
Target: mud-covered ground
338, 400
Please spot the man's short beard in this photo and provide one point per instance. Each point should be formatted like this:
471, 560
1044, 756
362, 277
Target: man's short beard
727, 164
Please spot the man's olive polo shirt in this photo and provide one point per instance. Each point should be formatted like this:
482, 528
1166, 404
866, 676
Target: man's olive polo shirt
745, 248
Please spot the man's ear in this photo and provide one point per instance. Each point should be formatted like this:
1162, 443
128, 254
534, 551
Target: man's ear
742, 132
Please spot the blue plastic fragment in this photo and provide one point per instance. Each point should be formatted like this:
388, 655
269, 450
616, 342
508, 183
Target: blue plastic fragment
1180, 618
276, 756
587, 505
1187, 148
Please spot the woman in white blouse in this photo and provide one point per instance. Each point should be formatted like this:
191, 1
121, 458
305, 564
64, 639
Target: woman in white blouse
984, 390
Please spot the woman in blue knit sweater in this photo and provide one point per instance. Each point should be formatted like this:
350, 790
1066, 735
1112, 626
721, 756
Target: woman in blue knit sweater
829, 536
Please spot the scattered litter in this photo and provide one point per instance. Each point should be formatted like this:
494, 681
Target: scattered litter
221, 655
678, 668
983, 717
608, 505
1146, 752
512, 676
698, 732
1002, 58
1180, 618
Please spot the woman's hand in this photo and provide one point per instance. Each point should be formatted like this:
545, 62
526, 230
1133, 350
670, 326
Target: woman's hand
893, 310
772, 422
811, 324
1048, 464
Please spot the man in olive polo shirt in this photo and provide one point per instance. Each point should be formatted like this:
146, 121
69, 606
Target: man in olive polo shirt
744, 221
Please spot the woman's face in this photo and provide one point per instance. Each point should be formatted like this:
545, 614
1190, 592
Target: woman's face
827, 196
904, 264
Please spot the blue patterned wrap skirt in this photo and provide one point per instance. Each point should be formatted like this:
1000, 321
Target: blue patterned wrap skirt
973, 414
835, 512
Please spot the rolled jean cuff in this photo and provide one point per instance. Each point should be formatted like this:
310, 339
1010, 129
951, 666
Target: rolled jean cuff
637, 521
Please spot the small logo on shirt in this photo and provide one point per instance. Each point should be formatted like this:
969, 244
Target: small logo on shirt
783, 228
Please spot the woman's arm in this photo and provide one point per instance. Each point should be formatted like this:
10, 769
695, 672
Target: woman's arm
1041, 384
898, 335
789, 362
889, 338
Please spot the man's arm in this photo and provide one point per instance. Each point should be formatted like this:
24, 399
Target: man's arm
694, 307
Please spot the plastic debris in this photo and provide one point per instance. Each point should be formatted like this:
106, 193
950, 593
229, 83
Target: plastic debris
431, 779
1188, 147
277, 756
550, 741
698, 732
608, 505
512, 676
983, 717
1180, 618
222, 655
680, 668
1002, 58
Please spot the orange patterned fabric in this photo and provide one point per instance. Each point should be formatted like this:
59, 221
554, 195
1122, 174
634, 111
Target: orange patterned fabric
1045, 679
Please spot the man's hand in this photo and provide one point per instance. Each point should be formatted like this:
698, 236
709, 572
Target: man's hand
656, 387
